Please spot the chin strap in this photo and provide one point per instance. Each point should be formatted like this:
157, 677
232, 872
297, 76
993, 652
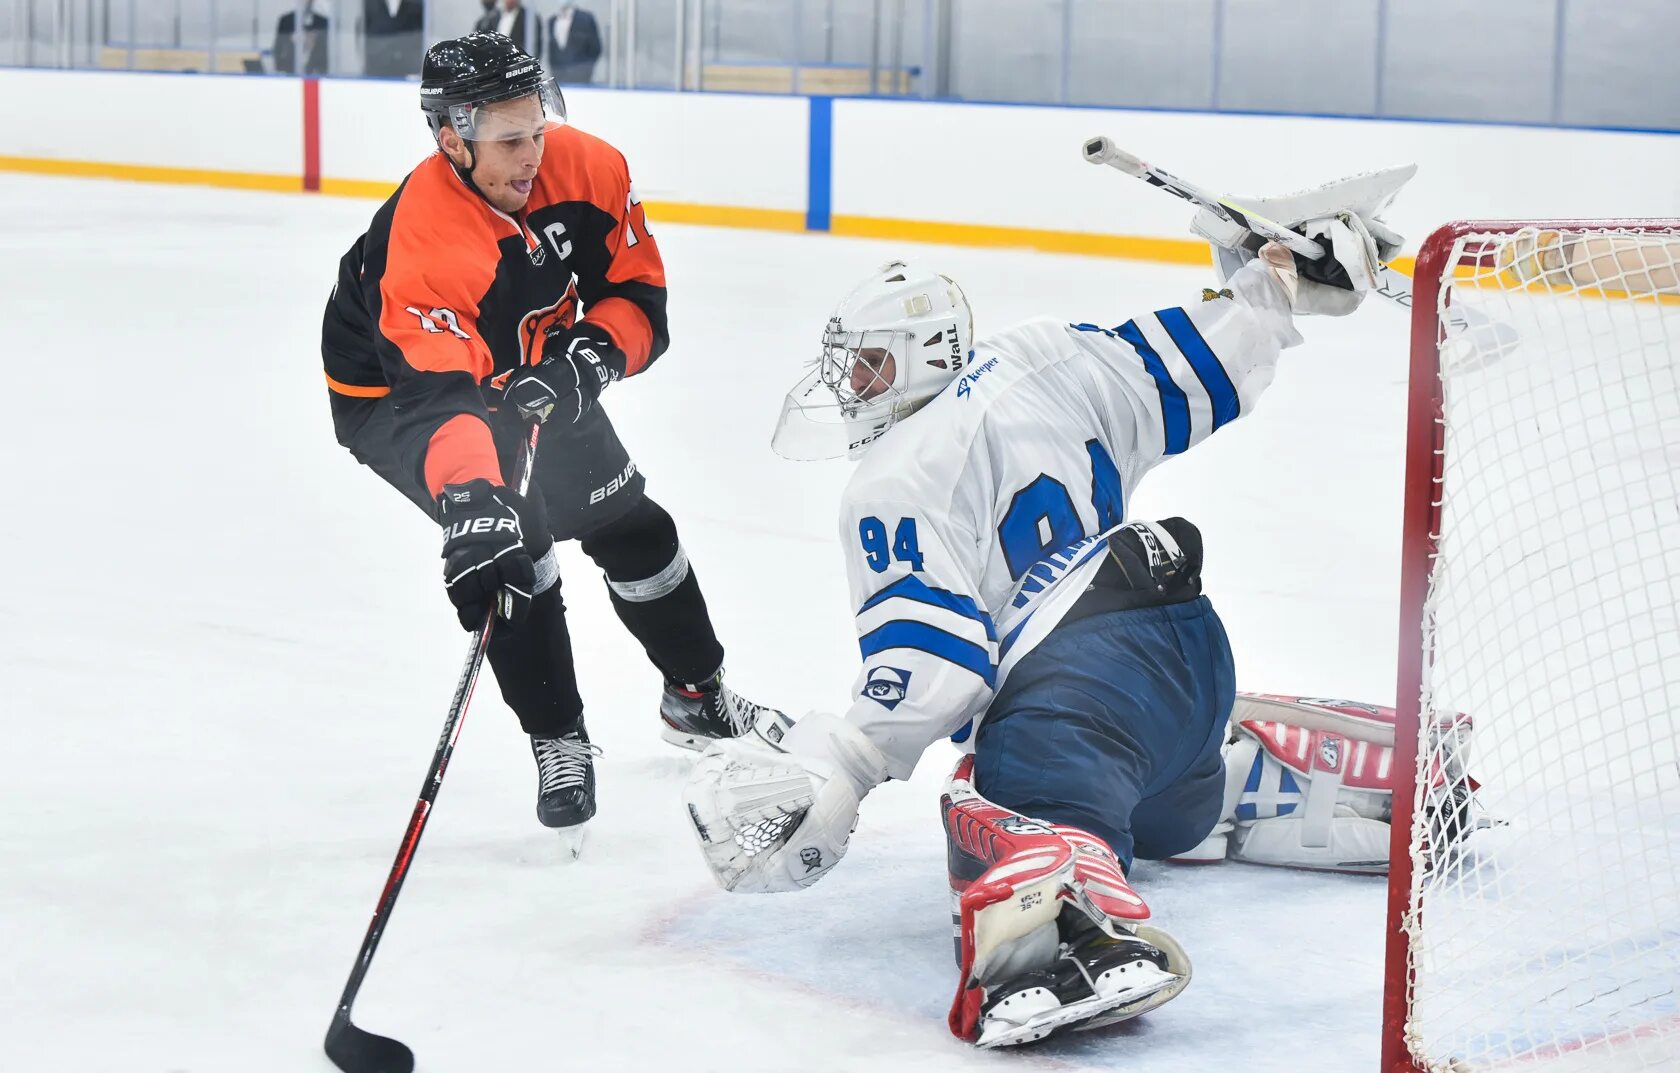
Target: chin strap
472, 165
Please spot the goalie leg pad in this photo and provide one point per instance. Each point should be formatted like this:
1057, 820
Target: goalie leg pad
1309, 784
1011, 878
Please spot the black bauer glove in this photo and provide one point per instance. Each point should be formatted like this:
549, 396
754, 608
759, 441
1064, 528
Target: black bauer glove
577, 363
484, 558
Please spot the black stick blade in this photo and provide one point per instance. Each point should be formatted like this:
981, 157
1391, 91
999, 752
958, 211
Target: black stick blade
356, 1051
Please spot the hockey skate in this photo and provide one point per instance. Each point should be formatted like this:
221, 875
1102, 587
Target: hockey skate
566, 785
1095, 980
694, 716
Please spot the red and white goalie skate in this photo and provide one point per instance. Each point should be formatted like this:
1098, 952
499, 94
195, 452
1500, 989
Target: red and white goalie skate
1047, 928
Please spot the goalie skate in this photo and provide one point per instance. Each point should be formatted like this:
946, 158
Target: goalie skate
1096, 980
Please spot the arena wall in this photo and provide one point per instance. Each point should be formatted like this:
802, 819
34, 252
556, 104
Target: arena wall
921, 170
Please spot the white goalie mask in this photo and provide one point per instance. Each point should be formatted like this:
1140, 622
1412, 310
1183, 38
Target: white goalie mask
892, 344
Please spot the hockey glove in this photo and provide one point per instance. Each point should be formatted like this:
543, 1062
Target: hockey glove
770, 820
577, 363
484, 558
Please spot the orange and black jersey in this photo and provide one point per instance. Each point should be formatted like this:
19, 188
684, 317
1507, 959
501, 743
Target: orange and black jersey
445, 293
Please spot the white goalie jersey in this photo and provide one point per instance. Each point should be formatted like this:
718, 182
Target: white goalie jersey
972, 527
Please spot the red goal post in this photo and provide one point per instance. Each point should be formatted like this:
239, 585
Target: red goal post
1556, 310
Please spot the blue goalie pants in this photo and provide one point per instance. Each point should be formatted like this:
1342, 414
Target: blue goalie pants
1114, 724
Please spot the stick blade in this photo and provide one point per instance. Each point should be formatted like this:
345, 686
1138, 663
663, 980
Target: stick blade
355, 1050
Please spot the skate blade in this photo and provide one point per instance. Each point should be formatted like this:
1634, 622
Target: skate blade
1147, 988
571, 841
682, 739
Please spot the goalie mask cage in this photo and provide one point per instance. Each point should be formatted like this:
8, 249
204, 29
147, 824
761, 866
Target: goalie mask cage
1540, 558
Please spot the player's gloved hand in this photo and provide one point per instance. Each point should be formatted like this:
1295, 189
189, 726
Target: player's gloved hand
778, 819
484, 558
577, 363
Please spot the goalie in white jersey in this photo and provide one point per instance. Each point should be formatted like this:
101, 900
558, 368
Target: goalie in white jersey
1002, 599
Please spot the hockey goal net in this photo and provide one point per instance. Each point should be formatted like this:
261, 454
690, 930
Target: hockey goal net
1534, 924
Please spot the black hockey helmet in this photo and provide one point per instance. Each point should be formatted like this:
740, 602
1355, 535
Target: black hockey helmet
461, 75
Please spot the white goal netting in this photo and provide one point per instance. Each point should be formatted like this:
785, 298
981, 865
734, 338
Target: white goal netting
1549, 938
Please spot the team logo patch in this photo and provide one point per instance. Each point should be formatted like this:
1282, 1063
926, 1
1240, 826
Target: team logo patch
1021, 825
811, 858
886, 686
1330, 753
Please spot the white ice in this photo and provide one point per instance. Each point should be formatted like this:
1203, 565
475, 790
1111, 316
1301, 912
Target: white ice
226, 655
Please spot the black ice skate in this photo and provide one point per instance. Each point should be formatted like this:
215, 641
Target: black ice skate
697, 715
1096, 980
565, 779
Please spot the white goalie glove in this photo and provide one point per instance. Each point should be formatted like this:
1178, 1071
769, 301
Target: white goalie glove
774, 818
1342, 217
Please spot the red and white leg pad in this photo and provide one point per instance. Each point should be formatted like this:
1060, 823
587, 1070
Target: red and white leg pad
1028, 870
1309, 783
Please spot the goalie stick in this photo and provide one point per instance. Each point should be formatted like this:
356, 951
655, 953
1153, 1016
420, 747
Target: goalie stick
353, 1049
1391, 284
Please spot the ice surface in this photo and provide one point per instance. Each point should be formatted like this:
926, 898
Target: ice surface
227, 656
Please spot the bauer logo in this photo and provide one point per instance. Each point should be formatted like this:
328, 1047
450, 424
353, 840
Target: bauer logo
886, 686
613, 486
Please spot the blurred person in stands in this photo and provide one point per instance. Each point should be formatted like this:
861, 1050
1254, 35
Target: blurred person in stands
314, 42
574, 44
393, 42
515, 23
486, 23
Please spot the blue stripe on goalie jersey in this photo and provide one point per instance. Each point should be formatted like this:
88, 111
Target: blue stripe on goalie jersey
914, 588
1175, 407
1215, 380
903, 633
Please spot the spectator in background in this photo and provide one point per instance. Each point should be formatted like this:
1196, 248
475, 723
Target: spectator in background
314, 42
486, 23
393, 29
574, 44
513, 23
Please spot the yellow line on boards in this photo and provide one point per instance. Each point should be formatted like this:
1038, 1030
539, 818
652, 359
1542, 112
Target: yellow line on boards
1129, 247
682, 212
1132, 247
151, 173
378, 189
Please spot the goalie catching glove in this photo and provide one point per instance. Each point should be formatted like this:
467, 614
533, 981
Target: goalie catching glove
774, 810
1342, 217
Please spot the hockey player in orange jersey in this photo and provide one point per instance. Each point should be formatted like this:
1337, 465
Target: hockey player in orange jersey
512, 276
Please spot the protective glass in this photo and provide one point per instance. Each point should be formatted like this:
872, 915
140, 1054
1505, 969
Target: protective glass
511, 120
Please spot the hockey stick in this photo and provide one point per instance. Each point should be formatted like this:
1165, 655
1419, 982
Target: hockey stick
353, 1049
1101, 150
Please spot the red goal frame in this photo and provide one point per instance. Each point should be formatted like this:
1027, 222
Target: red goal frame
1421, 526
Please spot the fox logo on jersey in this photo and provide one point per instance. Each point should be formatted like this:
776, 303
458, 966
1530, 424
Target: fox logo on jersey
534, 327
886, 686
